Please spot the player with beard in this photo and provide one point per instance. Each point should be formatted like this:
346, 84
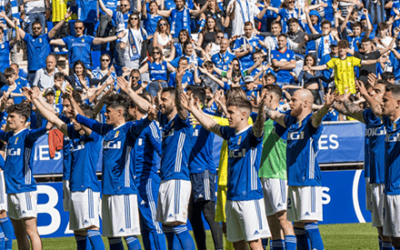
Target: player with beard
304, 205
175, 187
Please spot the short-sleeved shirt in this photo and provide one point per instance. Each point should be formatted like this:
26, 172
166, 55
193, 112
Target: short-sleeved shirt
38, 48
79, 48
187, 78
4, 56
244, 158
223, 60
365, 70
344, 73
247, 60
283, 76
249, 10
392, 156
87, 10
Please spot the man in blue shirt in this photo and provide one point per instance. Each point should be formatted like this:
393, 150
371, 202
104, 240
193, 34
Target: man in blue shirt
119, 204
13, 87
20, 184
304, 206
119, 18
187, 78
79, 46
283, 62
85, 149
224, 57
246, 221
175, 186
38, 46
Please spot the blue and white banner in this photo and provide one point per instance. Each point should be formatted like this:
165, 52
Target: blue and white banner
343, 202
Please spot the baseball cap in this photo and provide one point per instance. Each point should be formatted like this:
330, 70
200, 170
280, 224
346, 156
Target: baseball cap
248, 79
49, 91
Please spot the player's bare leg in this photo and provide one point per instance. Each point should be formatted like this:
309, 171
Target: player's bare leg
286, 225
20, 234
275, 227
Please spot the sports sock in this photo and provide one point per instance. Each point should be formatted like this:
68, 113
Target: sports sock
314, 235
133, 243
169, 233
278, 244
184, 237
380, 242
301, 238
8, 230
386, 245
264, 243
2, 240
115, 243
95, 240
290, 242
81, 241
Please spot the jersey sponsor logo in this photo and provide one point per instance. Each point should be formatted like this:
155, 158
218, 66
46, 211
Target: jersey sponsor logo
78, 147
296, 135
392, 138
169, 133
14, 151
237, 154
158, 71
112, 145
375, 131
196, 133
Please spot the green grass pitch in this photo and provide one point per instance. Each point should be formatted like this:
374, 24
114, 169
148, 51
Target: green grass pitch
338, 236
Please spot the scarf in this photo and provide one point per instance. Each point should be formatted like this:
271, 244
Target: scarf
78, 82
133, 45
321, 46
186, 19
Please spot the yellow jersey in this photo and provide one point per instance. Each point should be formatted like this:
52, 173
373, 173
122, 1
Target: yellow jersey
344, 73
59, 8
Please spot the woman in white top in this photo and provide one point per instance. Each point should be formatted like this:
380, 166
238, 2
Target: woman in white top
163, 37
131, 43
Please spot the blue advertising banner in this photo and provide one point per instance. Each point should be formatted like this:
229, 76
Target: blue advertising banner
343, 202
340, 142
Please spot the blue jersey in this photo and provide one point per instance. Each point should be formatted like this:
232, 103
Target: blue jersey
247, 61
38, 48
110, 4
18, 168
301, 152
192, 60
222, 61
4, 56
180, 19
331, 116
354, 41
85, 151
17, 90
187, 78
79, 48
376, 133
176, 146
244, 159
144, 154
87, 11
178, 50
201, 157
67, 161
158, 71
120, 20
392, 157
286, 14
118, 170
283, 76
395, 63
150, 23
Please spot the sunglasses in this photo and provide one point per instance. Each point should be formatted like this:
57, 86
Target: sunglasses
124, 5
162, 24
105, 60
156, 53
134, 18
291, 2
79, 28
39, 28
135, 77
220, 37
236, 75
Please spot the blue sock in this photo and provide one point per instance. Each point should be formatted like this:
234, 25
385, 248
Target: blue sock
133, 243
278, 244
8, 230
88, 244
158, 239
115, 243
301, 238
2, 240
386, 245
314, 235
169, 233
380, 242
184, 237
81, 241
95, 240
264, 243
290, 242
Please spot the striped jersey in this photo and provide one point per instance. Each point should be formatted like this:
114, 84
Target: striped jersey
244, 158
18, 168
176, 147
301, 152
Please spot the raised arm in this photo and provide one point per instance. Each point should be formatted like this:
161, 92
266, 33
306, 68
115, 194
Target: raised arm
373, 104
317, 117
53, 31
105, 9
273, 114
353, 109
344, 24
258, 127
198, 12
183, 113
100, 40
205, 121
138, 100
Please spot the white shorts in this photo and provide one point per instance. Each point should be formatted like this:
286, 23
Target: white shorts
246, 220
304, 203
66, 195
173, 201
3, 195
391, 214
275, 195
84, 209
120, 215
22, 205
368, 202
377, 204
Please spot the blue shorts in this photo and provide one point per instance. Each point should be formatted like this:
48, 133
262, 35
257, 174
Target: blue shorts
203, 186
